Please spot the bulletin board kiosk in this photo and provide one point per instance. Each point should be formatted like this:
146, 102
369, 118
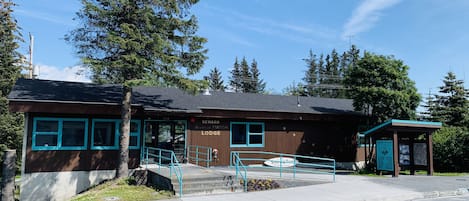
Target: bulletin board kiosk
401, 145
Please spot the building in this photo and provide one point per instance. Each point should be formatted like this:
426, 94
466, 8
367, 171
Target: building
71, 129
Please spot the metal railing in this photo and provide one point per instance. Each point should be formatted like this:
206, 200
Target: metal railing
240, 169
163, 157
285, 163
199, 154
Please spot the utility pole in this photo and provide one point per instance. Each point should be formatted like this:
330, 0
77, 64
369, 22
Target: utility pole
31, 49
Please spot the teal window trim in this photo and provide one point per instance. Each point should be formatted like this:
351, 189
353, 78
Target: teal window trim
135, 134
116, 133
248, 134
361, 140
59, 131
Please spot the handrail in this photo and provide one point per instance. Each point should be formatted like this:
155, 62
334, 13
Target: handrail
300, 162
158, 156
202, 153
238, 164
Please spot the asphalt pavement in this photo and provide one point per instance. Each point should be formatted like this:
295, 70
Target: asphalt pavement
355, 188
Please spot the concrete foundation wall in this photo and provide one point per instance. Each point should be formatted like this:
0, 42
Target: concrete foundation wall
58, 186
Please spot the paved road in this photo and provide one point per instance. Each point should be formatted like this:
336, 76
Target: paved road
456, 198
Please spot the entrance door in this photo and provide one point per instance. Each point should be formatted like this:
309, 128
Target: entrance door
169, 135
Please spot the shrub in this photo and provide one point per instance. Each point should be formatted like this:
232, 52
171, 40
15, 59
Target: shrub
451, 149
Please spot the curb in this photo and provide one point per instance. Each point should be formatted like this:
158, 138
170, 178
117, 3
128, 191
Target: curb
438, 194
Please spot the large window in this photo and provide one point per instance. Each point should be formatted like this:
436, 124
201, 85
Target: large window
106, 134
244, 134
59, 134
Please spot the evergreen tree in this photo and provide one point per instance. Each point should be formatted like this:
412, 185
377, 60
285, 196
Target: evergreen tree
236, 81
138, 42
246, 77
258, 84
334, 73
11, 124
311, 75
354, 55
296, 90
321, 75
215, 80
451, 106
380, 86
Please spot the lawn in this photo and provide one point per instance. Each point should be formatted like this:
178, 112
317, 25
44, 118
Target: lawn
120, 190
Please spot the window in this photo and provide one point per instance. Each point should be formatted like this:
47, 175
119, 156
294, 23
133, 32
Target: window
59, 134
106, 134
247, 134
134, 142
360, 140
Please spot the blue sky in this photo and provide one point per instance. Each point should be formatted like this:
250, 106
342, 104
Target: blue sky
430, 36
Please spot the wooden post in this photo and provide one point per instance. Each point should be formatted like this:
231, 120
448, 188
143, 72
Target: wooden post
8, 175
395, 148
411, 152
429, 154
366, 151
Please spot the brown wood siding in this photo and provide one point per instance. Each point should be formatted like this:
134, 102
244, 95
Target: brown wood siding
332, 139
65, 160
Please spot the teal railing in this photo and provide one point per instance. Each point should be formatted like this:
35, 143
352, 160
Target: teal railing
163, 157
240, 169
198, 154
285, 163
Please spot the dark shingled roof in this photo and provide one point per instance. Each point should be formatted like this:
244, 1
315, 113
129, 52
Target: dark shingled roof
174, 100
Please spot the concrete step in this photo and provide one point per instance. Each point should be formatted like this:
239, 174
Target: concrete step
208, 185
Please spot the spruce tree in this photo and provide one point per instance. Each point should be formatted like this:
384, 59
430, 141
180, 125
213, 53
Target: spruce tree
138, 42
215, 80
451, 106
258, 84
236, 81
354, 55
11, 124
246, 77
311, 74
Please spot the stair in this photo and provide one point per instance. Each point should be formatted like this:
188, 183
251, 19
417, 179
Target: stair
196, 180
209, 184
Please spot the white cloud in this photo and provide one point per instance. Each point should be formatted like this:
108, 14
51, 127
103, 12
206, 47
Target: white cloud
45, 17
365, 16
73, 73
302, 33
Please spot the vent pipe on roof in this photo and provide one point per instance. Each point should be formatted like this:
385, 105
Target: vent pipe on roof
206, 92
298, 101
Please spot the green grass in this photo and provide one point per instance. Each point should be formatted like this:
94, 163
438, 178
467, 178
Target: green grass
120, 189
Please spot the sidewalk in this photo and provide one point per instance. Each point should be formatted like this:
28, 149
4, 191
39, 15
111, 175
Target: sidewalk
355, 188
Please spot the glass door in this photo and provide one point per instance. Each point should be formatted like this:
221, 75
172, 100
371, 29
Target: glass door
169, 135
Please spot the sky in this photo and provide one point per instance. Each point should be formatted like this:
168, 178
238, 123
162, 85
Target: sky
430, 36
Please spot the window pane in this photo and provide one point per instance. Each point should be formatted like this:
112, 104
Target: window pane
238, 134
149, 130
164, 133
73, 133
133, 127
46, 140
133, 141
255, 139
180, 128
47, 126
104, 133
255, 128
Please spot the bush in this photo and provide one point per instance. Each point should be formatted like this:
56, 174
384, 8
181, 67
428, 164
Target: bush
451, 149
